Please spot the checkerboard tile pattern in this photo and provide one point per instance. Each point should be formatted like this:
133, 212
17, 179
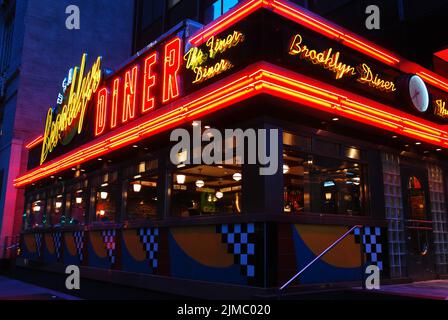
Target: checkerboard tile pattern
371, 241
57, 241
240, 240
109, 241
79, 242
38, 237
150, 240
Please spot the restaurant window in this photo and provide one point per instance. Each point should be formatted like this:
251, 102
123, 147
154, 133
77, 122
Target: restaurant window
35, 211
77, 198
141, 193
107, 195
320, 184
206, 190
55, 207
218, 8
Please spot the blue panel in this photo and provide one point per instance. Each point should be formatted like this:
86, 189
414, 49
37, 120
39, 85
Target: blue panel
182, 266
320, 271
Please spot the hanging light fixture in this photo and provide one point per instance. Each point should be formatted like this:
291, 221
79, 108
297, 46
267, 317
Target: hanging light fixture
180, 178
285, 169
102, 213
36, 208
78, 200
237, 176
328, 196
219, 194
103, 195
58, 204
200, 183
137, 187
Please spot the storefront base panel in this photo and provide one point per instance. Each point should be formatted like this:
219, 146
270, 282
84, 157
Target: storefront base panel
260, 255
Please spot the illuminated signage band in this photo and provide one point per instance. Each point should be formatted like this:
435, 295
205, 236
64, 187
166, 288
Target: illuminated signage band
66, 120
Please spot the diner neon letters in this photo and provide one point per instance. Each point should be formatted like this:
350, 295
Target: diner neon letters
196, 58
134, 90
69, 116
327, 59
374, 80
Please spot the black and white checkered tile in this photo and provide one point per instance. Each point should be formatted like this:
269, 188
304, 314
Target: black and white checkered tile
57, 241
371, 241
79, 242
109, 241
150, 240
241, 243
38, 237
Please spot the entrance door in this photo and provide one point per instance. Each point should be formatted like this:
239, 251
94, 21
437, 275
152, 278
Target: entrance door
418, 224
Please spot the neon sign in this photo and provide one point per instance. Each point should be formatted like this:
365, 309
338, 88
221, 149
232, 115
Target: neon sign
66, 120
136, 90
329, 60
368, 77
196, 58
326, 59
440, 110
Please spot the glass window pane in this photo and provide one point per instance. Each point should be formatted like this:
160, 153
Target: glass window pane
323, 185
107, 195
141, 201
203, 190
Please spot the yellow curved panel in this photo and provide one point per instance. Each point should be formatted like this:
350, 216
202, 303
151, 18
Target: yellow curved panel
30, 243
49, 243
347, 254
203, 245
97, 243
134, 245
70, 243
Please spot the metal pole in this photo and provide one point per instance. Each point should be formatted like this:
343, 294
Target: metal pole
319, 256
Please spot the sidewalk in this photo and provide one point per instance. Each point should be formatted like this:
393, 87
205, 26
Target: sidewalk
11, 289
434, 289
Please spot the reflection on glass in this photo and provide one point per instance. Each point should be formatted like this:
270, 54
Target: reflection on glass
203, 190
322, 185
36, 217
419, 231
107, 195
56, 211
416, 199
78, 209
142, 198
